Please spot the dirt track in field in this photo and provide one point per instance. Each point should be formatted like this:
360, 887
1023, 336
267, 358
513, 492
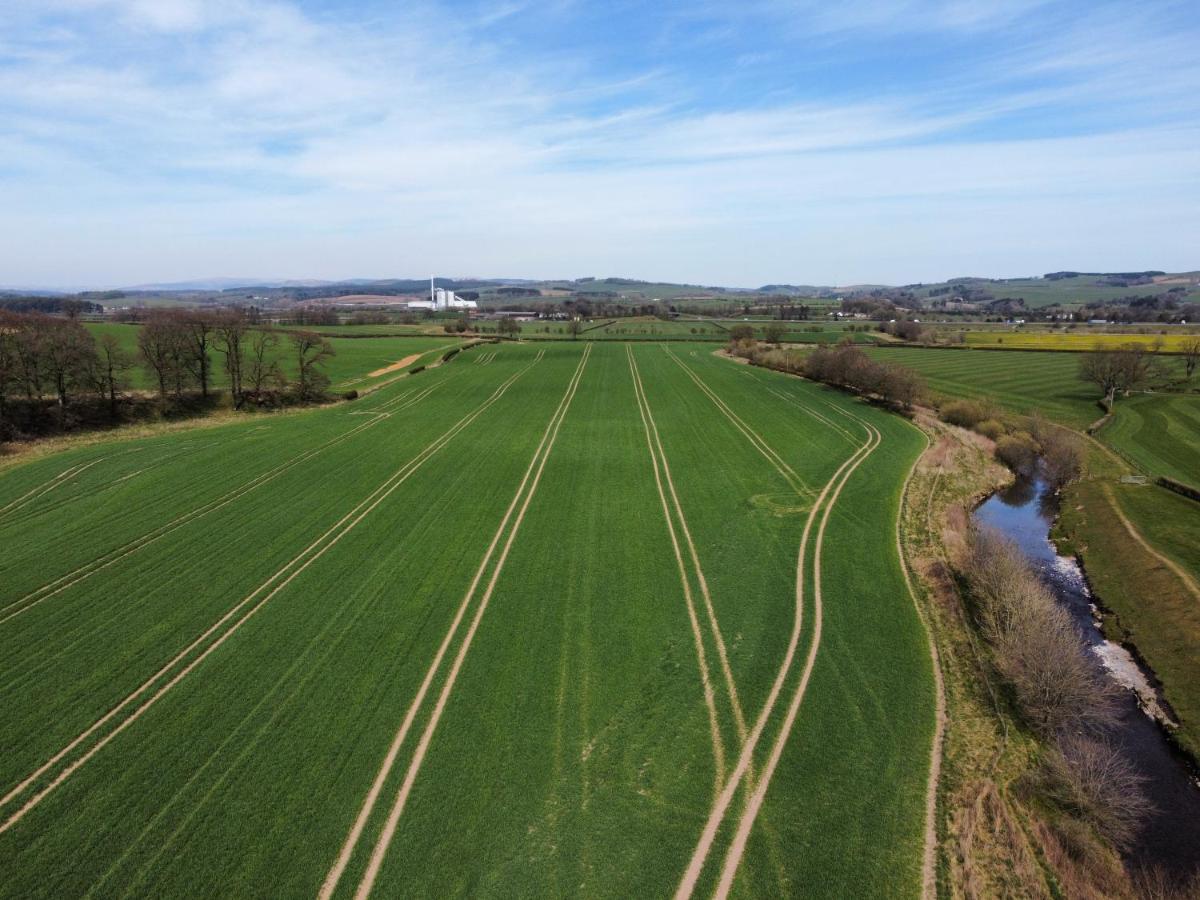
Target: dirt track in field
1179, 571
395, 367
659, 460
291, 570
538, 462
720, 809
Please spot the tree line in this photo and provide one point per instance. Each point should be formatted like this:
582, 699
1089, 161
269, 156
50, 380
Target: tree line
55, 374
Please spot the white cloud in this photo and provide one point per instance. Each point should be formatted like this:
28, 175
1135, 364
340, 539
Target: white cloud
250, 137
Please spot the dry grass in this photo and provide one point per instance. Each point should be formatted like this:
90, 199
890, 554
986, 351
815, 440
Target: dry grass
998, 836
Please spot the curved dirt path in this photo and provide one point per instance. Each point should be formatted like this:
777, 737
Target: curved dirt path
737, 847
718, 813
541, 454
1181, 573
287, 573
929, 856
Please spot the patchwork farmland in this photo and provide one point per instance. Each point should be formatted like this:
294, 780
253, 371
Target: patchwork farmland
588, 618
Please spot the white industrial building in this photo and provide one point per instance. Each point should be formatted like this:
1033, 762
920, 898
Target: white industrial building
442, 299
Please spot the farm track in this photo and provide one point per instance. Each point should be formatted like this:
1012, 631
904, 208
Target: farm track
44, 509
523, 496
47, 486
720, 809
74, 577
275, 584
788, 473
662, 471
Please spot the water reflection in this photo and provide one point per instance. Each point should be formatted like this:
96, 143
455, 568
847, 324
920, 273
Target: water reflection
1025, 513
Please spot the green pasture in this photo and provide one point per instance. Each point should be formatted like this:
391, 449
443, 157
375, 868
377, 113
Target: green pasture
1159, 433
350, 367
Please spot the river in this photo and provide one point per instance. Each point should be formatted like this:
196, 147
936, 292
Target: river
1170, 838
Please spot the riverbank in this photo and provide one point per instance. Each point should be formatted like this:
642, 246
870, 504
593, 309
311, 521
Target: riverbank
999, 831
1169, 839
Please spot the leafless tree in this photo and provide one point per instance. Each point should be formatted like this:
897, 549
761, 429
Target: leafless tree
311, 351
231, 327
160, 347
113, 364
1191, 356
263, 371
1035, 644
196, 328
1097, 782
69, 354
1123, 369
1063, 455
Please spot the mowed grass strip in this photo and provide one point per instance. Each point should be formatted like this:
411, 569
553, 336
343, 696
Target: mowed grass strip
1159, 433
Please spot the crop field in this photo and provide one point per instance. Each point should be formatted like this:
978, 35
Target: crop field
704, 330
354, 360
1075, 340
587, 618
1018, 381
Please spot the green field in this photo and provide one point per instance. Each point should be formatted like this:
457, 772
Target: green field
353, 361
523, 625
1159, 433
1017, 381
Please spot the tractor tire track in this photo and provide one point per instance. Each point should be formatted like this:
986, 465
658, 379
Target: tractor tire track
526, 489
788, 473
719, 810
62, 583
737, 848
659, 460
275, 584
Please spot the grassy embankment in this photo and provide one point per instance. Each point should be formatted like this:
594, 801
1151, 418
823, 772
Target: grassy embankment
1147, 584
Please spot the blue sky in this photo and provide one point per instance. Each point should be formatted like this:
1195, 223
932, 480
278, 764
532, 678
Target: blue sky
719, 143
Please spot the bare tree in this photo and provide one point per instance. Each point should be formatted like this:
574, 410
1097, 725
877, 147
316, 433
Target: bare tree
1122, 369
113, 364
10, 368
69, 354
311, 351
196, 328
1099, 784
1191, 356
231, 327
158, 345
264, 371
1063, 455
1035, 644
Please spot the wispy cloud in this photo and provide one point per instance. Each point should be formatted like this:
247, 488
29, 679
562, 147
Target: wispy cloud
168, 138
